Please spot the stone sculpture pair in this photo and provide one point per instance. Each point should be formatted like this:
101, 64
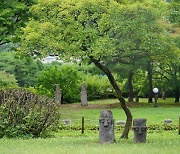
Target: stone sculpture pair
106, 128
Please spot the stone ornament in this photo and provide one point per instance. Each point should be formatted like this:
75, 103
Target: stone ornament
106, 127
168, 121
140, 130
84, 101
120, 122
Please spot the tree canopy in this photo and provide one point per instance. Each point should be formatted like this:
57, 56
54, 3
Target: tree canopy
13, 15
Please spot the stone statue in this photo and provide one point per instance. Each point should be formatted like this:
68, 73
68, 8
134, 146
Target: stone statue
140, 130
84, 101
58, 94
106, 127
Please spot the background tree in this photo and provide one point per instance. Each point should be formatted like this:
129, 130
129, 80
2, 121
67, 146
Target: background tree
24, 70
140, 40
169, 68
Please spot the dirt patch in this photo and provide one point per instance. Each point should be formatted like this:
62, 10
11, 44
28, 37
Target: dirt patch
116, 105
91, 106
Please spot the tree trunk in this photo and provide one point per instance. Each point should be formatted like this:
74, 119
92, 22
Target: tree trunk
177, 94
163, 95
149, 70
137, 98
130, 86
119, 96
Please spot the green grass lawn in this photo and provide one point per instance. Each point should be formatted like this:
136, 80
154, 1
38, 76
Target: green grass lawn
73, 142
167, 110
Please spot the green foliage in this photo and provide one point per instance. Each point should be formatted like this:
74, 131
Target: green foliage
139, 35
24, 70
118, 128
72, 28
13, 15
140, 83
24, 114
67, 76
7, 80
98, 87
174, 16
100, 29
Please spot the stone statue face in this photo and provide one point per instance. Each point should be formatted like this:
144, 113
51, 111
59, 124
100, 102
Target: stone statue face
106, 123
139, 126
140, 130
106, 127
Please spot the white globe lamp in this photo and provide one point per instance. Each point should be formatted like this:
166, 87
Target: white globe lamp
155, 90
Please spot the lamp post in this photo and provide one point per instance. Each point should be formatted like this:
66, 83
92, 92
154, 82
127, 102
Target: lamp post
156, 90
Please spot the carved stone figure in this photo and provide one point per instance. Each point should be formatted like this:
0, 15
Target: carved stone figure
84, 101
140, 130
58, 94
106, 127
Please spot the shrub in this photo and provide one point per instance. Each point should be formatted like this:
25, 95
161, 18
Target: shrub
150, 128
67, 76
25, 114
98, 87
7, 80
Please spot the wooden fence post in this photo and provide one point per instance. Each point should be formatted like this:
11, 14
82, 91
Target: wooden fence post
82, 125
179, 126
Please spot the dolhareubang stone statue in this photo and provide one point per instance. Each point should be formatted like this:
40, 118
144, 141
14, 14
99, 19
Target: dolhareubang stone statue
140, 130
84, 101
106, 127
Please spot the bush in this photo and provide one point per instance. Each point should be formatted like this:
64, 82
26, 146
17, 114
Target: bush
25, 114
67, 76
98, 87
7, 80
118, 128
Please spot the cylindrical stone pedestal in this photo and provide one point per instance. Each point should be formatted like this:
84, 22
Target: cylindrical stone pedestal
140, 130
84, 101
58, 94
106, 127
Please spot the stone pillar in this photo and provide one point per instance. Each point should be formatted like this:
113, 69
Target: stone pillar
140, 130
106, 127
58, 94
84, 101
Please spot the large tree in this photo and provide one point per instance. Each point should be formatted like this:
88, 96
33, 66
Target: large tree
76, 30
96, 31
